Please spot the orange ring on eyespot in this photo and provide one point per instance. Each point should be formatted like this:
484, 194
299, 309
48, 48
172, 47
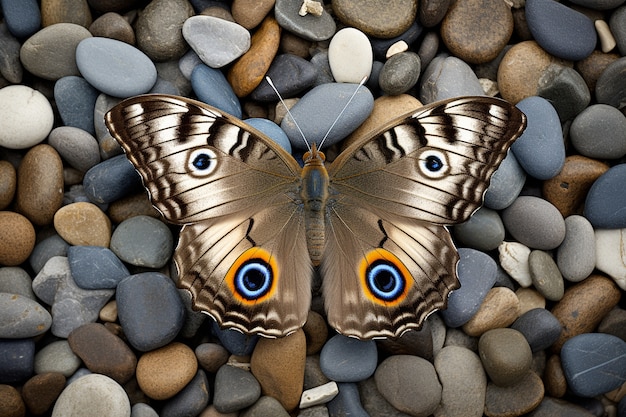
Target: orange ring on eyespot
249, 292
386, 262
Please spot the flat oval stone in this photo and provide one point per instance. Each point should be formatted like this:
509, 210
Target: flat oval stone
594, 363
499, 309
576, 257
340, 355
249, 13
16, 360
158, 29
191, 401
605, 204
380, 19
217, 42
235, 389
290, 75
8, 183
50, 53
326, 102
611, 85
506, 184
41, 391
17, 238
143, 241
211, 87
114, 67
484, 231
350, 56
95, 267
76, 146
164, 372
399, 73
478, 30
57, 357
15, 280
448, 77
111, 180
516, 400
565, 89
540, 328
545, 274
150, 310
76, 101
309, 27
83, 224
534, 222
506, 356
610, 257
22, 17
114, 26
26, 117
560, 30
21, 317
599, 132
96, 395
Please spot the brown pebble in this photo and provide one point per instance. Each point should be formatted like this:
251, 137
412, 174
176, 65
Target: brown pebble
164, 372
217, 11
112, 25
316, 332
17, 238
83, 224
500, 308
477, 30
591, 67
249, 13
414, 342
529, 298
131, 206
568, 189
211, 356
8, 184
583, 306
41, 391
102, 352
11, 404
614, 323
40, 184
506, 355
278, 365
65, 11
295, 45
554, 378
210, 411
108, 313
515, 400
248, 71
378, 18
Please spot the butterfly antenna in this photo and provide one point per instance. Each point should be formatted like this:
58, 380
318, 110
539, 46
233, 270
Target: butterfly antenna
342, 111
269, 81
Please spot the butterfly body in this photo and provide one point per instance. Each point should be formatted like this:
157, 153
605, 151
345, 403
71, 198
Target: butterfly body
256, 223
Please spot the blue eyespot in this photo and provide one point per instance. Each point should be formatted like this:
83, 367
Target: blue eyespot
253, 279
385, 281
201, 162
433, 163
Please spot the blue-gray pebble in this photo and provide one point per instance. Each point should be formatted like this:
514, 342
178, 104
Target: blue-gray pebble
150, 311
483, 231
22, 317
191, 400
290, 74
447, 77
235, 389
21, 16
95, 267
76, 100
611, 85
235, 342
143, 241
319, 28
211, 87
534, 222
345, 359
76, 146
48, 248
605, 206
599, 132
17, 360
506, 184
540, 328
272, 130
380, 46
347, 402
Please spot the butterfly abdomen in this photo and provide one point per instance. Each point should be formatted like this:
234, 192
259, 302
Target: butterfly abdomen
314, 194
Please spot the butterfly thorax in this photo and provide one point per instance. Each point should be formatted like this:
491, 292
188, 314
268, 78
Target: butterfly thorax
314, 194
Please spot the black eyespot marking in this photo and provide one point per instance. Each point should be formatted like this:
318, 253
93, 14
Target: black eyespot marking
433, 163
253, 279
201, 162
385, 281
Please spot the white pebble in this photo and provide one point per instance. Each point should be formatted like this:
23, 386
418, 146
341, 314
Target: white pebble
607, 41
350, 56
514, 260
93, 395
611, 254
319, 395
26, 117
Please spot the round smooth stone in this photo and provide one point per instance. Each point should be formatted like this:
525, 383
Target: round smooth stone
326, 102
8, 184
22, 17
111, 180
410, 384
350, 56
432, 12
10, 66
448, 77
143, 410
76, 101
76, 146
83, 224
540, 149
249, 13
618, 29
560, 30
211, 87
540, 328
26, 117
611, 85
191, 400
471, 36
143, 241
217, 42
545, 274
576, 256
379, 18
41, 391
399, 73
311, 28
506, 184
11, 402
594, 363
605, 204
484, 231
477, 274
114, 67
158, 29
57, 357
58, 11
340, 355
272, 130
50, 53
17, 358
102, 352
46, 249
464, 382
534, 222
235, 389
599, 132
114, 26
565, 89
347, 402
150, 310
515, 400
211, 356
610, 257
21, 317
506, 355
95, 267
15, 280
500, 308
17, 238
96, 395
266, 406
290, 75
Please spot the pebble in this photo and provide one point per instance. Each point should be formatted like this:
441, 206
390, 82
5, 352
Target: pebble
477, 274
96, 395
318, 395
16, 360
350, 56
594, 363
102, 181
561, 30
341, 354
378, 19
134, 205
83, 224
217, 42
483, 231
310, 27
598, 132
278, 365
234, 341
583, 306
372, 401
191, 400
326, 101
505, 355
478, 30
553, 407
266, 406
76, 100
112, 25
463, 380
616, 25
399, 73
158, 29
164, 372
499, 309
41, 391
250, 13
610, 257
605, 203
8, 184
554, 379
143, 241
610, 83
17, 238
381, 46
448, 77
142, 410
211, 87
613, 323
114, 67
545, 275
211, 356
95, 267
149, 310
60, 11
515, 400
76, 146
15, 280
57, 357
26, 117
576, 256
102, 352
409, 383
540, 328
10, 65
565, 89
290, 74
534, 222
11, 402
22, 17
235, 389
506, 184
46, 249
22, 317
347, 402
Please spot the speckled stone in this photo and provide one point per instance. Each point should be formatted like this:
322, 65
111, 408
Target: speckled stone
506, 356
65, 11
379, 19
8, 183
545, 274
17, 238
235, 389
41, 391
499, 309
399, 73
83, 224
159, 29
599, 132
112, 25
11, 403
250, 13
519, 399
164, 372
96, 395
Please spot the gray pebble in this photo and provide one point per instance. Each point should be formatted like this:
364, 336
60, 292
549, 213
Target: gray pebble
235, 389
324, 73
606, 200
96, 395
217, 42
347, 402
540, 328
399, 73
10, 65
374, 403
46, 249
143, 410
15, 280
111, 180
483, 231
599, 132
76, 101
313, 375
447, 77
143, 241
191, 400
506, 184
506, 355
22, 317
95, 267
309, 27
76, 146
16, 360
317, 411
565, 89
290, 75
170, 72
345, 359
545, 275
57, 357
266, 406
611, 85
576, 257
108, 146
534, 222
617, 24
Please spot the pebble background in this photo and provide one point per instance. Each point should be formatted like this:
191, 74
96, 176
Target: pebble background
91, 322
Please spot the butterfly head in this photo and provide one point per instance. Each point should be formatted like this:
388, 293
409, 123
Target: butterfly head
314, 157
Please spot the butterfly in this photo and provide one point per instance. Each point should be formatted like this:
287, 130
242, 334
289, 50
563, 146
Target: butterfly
255, 223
